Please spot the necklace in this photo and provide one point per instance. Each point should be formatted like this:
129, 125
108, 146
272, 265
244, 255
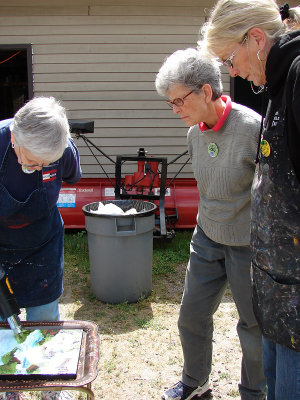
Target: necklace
260, 88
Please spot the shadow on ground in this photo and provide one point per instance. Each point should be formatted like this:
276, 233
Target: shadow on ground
124, 317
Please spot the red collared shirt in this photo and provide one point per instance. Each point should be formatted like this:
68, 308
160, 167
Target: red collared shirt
220, 123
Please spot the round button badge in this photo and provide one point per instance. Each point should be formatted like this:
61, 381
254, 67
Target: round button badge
265, 148
213, 150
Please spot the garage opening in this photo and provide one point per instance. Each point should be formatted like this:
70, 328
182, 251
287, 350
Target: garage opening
16, 84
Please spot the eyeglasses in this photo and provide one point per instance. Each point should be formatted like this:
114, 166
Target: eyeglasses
179, 102
43, 165
28, 165
228, 61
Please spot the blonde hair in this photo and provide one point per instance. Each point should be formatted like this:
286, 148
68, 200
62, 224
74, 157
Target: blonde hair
230, 21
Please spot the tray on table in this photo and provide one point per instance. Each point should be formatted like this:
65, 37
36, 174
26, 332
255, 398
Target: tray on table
87, 364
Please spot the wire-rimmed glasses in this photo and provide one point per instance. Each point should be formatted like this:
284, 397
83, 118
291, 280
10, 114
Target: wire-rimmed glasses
228, 62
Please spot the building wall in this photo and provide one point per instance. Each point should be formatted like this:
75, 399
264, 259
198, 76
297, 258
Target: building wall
100, 57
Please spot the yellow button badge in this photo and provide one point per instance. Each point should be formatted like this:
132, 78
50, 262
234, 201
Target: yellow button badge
265, 148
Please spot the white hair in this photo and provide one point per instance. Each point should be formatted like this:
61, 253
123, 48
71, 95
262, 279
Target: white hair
41, 126
190, 68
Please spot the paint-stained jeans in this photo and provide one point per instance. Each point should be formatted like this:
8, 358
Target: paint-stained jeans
211, 266
282, 370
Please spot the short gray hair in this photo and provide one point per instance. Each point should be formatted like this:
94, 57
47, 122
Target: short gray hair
190, 68
41, 126
230, 21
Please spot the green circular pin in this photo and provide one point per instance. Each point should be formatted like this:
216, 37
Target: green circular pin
213, 150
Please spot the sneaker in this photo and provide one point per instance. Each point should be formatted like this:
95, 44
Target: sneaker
180, 391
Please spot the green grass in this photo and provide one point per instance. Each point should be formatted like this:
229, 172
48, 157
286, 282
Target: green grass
76, 252
166, 254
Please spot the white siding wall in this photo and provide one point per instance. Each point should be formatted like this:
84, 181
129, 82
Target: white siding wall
100, 58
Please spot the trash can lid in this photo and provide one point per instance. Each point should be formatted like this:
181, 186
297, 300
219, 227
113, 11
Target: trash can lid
143, 208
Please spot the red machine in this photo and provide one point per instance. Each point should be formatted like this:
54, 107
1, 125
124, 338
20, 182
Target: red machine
177, 198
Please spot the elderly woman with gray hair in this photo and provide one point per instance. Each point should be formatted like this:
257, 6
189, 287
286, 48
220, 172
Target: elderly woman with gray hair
36, 155
222, 142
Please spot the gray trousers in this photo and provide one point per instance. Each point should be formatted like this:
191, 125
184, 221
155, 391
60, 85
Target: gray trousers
211, 266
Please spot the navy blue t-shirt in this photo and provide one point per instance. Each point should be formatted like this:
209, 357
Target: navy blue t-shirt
21, 185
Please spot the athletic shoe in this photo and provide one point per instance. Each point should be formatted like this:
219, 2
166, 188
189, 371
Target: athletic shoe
180, 391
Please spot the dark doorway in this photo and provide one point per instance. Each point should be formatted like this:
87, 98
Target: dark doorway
241, 93
16, 85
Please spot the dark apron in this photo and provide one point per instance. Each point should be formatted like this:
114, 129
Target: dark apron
275, 238
31, 244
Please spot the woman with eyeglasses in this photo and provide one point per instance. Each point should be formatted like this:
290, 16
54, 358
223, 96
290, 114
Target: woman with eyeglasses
251, 38
222, 142
36, 155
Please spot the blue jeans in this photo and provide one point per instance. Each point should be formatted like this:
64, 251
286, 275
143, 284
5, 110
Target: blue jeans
46, 312
282, 370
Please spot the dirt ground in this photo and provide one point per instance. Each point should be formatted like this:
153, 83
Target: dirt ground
140, 352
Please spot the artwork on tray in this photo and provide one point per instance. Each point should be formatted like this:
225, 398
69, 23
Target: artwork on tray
40, 353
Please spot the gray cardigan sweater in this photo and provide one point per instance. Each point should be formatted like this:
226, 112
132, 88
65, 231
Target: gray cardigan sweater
224, 181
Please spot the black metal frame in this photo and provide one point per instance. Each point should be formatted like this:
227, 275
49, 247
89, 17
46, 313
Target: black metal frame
82, 127
161, 197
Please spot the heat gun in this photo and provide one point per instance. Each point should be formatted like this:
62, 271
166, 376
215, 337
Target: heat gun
9, 308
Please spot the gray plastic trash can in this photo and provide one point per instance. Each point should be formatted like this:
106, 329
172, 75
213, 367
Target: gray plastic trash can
120, 251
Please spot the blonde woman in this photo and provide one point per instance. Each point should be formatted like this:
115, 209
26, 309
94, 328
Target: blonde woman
251, 39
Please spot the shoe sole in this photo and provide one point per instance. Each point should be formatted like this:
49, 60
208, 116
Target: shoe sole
200, 391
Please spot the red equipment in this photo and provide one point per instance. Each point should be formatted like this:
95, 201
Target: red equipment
181, 199
177, 198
